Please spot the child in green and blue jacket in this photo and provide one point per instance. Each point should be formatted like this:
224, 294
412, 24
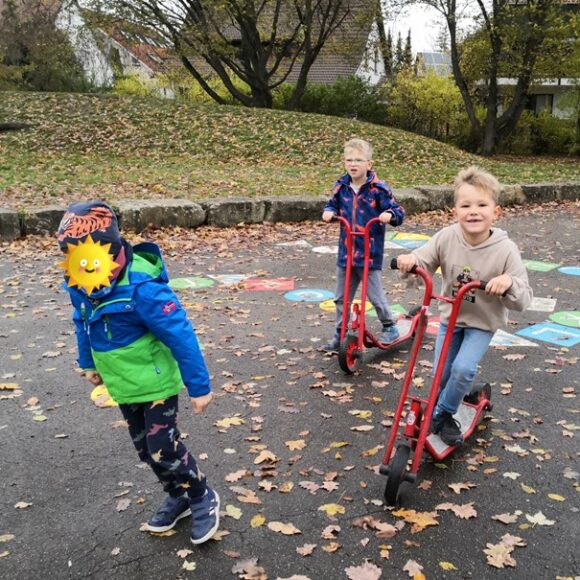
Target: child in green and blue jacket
134, 336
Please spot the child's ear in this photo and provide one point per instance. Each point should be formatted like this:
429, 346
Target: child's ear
497, 211
454, 213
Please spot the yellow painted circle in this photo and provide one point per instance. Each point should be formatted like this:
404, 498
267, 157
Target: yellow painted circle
329, 306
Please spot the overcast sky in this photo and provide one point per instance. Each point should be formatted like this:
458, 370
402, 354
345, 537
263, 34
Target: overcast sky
424, 22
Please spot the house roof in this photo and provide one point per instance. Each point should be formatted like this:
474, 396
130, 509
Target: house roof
341, 56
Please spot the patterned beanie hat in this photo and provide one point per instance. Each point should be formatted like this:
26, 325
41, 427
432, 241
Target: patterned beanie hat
93, 217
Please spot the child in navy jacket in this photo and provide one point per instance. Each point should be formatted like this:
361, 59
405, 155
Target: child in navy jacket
360, 196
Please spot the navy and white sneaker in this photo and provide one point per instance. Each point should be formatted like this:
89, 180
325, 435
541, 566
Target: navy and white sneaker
205, 516
169, 513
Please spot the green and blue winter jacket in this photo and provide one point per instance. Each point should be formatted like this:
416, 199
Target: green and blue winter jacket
138, 337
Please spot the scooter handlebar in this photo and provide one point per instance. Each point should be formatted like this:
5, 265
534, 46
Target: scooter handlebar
395, 266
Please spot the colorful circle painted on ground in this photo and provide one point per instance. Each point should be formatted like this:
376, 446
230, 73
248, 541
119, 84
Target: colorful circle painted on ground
570, 270
271, 284
536, 266
194, 283
308, 295
329, 306
567, 318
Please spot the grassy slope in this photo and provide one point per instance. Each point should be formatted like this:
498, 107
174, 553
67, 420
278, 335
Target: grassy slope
87, 146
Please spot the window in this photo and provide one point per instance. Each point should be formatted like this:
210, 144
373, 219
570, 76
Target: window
540, 103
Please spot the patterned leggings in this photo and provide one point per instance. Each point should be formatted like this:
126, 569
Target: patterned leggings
153, 429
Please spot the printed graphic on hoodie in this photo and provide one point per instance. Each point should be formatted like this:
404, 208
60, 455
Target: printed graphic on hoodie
463, 275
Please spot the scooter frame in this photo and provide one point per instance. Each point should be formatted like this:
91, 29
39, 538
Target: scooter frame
355, 338
413, 434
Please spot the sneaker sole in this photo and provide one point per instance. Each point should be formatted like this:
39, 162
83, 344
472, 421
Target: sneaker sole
214, 528
158, 529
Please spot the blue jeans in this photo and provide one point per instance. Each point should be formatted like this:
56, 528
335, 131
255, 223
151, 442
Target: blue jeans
375, 294
468, 345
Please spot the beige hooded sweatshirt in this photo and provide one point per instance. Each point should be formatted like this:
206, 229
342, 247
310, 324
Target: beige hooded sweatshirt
461, 262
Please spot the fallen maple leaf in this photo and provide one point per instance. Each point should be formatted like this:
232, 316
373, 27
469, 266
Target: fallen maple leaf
447, 566
266, 455
420, 520
539, 519
233, 511
306, 550
413, 569
465, 511
505, 518
499, 555
296, 445
236, 475
257, 521
331, 509
459, 487
330, 532
286, 529
228, 422
21, 505
366, 571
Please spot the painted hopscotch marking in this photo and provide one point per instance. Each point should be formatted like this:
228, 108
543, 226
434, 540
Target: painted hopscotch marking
552, 333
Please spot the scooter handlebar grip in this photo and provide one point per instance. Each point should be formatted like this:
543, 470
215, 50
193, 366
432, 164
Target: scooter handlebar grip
483, 284
395, 266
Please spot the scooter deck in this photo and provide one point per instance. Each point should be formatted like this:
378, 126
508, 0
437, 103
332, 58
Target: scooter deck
466, 416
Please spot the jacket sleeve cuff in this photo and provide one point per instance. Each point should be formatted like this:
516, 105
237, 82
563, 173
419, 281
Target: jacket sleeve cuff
198, 390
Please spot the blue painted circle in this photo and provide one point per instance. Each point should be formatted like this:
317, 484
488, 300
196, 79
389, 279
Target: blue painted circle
570, 270
308, 295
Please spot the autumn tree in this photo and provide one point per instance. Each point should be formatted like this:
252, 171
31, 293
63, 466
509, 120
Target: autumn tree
408, 51
513, 34
34, 53
245, 43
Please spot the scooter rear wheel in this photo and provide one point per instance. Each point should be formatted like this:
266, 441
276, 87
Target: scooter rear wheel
398, 468
349, 356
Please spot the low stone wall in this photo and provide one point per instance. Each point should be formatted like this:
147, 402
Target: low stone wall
139, 214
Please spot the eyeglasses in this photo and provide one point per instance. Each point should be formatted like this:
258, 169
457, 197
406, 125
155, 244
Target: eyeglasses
355, 161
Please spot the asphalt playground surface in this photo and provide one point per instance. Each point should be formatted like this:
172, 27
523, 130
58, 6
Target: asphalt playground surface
74, 495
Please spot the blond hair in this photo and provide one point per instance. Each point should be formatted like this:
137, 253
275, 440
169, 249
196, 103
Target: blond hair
360, 145
477, 177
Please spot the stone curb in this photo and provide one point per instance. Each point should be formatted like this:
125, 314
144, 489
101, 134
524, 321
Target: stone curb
139, 214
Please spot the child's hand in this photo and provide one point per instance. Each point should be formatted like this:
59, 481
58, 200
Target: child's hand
327, 216
499, 285
200, 404
94, 377
386, 217
405, 262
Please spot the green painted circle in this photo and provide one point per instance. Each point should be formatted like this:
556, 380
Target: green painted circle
194, 283
567, 318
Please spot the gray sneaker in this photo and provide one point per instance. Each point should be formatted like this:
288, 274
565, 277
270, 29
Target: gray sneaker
333, 344
388, 334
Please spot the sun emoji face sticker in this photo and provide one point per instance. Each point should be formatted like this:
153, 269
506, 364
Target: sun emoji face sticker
89, 265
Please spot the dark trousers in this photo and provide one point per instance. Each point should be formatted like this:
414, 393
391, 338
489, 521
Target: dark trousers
153, 429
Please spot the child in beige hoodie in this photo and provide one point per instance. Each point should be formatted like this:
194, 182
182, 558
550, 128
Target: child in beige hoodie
470, 250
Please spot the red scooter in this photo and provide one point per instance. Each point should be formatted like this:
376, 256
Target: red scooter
353, 340
412, 434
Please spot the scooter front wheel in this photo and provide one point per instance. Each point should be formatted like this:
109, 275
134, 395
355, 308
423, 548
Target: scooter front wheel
349, 355
397, 470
